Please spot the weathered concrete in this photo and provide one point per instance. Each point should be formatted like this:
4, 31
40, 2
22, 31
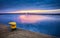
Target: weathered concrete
20, 33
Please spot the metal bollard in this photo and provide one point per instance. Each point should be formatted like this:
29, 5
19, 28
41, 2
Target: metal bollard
12, 26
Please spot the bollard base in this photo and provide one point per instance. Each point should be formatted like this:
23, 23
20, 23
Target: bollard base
13, 29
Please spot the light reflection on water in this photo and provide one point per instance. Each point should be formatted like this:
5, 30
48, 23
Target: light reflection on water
47, 24
33, 18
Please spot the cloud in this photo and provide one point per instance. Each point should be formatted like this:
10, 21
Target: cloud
37, 11
27, 4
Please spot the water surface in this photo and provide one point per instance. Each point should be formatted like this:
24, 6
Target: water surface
46, 24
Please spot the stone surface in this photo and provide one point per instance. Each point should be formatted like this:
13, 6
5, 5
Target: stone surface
20, 33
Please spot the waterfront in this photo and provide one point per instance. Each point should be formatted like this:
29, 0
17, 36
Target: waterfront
46, 24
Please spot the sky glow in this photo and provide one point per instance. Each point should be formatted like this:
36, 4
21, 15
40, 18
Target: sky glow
36, 11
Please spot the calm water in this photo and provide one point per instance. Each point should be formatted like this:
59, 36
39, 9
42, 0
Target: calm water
47, 24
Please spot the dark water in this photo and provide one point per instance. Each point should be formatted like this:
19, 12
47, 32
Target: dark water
47, 26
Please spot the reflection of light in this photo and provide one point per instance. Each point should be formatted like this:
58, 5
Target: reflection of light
36, 11
32, 18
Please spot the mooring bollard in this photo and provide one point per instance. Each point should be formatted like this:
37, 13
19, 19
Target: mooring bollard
12, 26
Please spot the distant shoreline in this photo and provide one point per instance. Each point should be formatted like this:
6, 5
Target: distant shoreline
28, 14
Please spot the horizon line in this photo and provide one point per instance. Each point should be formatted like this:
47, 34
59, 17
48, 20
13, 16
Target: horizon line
29, 13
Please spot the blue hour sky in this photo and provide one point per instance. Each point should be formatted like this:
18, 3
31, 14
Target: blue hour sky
41, 5
11, 5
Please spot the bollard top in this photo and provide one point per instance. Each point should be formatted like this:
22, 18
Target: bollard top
12, 23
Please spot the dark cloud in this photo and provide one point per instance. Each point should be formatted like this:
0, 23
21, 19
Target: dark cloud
29, 4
